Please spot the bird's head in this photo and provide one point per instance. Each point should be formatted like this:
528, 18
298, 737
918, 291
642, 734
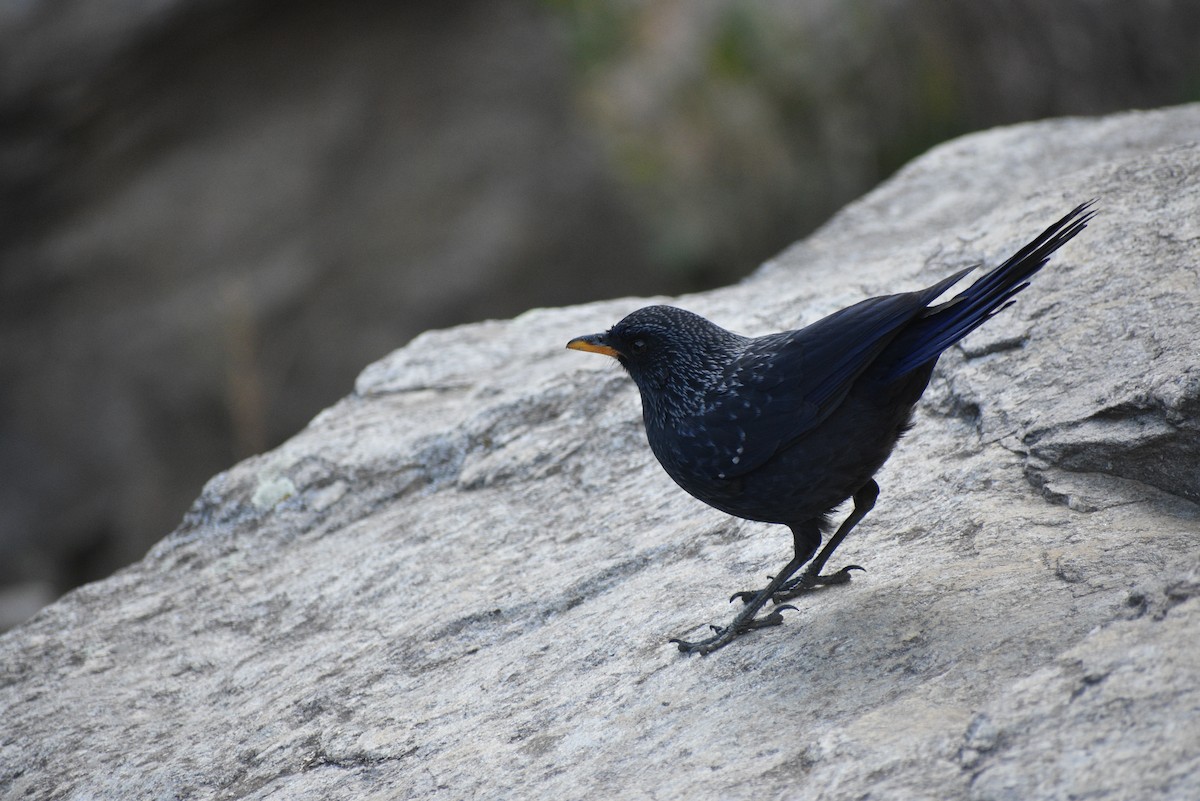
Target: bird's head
665, 348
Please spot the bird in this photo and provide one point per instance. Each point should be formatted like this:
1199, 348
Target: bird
784, 428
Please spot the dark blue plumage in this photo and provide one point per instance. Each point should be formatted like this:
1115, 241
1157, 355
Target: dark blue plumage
782, 428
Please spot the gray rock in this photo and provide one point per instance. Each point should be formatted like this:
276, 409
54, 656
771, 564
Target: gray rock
212, 214
458, 581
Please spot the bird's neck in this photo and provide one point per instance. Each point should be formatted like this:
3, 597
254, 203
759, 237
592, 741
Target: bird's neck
670, 404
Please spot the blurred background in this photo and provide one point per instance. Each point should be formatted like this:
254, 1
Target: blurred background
214, 214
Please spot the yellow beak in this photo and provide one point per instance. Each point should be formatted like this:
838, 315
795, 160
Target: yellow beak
593, 343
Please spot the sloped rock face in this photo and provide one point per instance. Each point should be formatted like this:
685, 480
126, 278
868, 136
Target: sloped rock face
459, 581
212, 214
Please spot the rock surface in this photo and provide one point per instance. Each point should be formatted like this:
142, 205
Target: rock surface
212, 214
459, 581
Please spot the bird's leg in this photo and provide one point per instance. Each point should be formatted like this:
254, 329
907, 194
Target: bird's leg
806, 537
806, 540
864, 501
745, 620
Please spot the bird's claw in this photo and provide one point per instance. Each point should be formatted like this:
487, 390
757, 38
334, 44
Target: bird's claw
806, 582
746, 596
799, 585
723, 635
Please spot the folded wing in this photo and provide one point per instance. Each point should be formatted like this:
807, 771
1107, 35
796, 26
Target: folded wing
786, 384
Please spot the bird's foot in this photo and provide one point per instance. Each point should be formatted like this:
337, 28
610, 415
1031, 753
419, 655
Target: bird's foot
725, 635
809, 581
798, 586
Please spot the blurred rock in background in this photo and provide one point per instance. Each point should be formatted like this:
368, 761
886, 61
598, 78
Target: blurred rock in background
213, 214
735, 127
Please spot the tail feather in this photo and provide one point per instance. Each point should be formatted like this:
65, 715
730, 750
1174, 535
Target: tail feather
943, 325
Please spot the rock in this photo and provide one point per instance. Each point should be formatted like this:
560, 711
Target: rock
212, 214
20, 602
793, 109
459, 580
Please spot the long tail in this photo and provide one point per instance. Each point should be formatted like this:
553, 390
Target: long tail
943, 325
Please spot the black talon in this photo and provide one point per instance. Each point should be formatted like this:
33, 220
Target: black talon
772, 619
810, 580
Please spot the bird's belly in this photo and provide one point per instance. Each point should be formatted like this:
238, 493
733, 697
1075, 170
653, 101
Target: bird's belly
810, 476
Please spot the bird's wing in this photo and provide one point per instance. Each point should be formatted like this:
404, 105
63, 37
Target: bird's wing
786, 384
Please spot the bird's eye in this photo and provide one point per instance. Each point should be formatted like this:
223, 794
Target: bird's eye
637, 346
